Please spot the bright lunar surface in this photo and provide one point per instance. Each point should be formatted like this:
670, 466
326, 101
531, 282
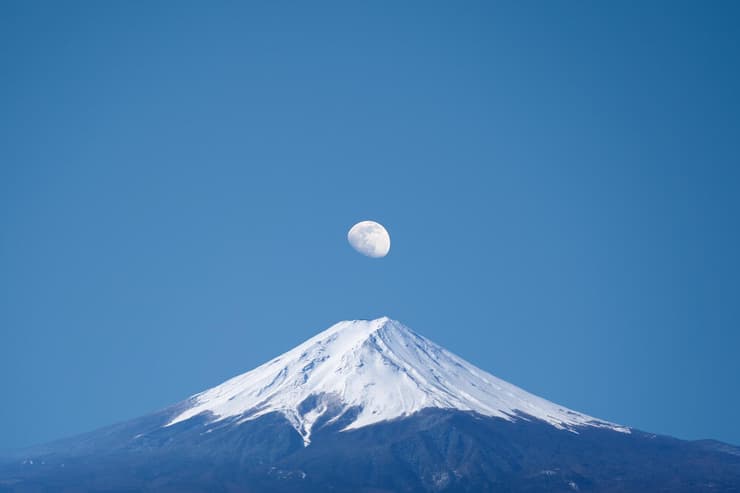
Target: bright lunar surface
369, 238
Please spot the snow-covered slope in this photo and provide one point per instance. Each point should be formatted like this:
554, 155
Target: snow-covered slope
379, 370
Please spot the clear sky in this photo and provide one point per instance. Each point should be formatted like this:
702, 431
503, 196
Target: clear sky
561, 182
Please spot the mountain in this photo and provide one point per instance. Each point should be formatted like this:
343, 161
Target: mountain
370, 406
368, 372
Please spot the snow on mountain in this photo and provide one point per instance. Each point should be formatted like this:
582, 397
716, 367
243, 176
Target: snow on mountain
378, 369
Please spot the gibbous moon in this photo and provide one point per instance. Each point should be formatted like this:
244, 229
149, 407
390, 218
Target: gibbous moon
370, 239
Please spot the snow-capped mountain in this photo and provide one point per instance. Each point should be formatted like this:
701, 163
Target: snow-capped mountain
379, 370
370, 407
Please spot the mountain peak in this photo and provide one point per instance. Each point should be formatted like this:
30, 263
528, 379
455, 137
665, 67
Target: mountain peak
363, 327
367, 371
360, 328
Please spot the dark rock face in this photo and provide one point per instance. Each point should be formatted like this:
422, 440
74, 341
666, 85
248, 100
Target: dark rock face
431, 451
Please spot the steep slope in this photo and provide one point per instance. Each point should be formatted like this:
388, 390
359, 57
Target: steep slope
377, 370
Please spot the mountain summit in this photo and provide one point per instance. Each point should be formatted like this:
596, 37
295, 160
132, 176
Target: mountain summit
362, 372
370, 406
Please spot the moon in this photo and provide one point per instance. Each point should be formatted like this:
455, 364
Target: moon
370, 239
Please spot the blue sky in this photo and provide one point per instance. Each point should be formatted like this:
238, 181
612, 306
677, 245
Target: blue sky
560, 182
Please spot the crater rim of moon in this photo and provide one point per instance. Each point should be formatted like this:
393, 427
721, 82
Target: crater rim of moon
369, 238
